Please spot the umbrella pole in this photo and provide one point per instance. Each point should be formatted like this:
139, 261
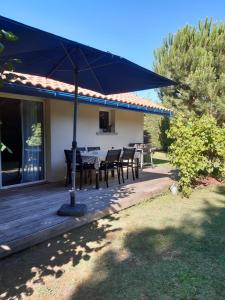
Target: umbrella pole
74, 142
73, 209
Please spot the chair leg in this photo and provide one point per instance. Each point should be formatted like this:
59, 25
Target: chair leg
122, 173
127, 171
132, 167
81, 175
67, 177
90, 175
107, 177
100, 175
118, 174
137, 168
70, 177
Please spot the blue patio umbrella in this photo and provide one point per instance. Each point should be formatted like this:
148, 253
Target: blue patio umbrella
52, 56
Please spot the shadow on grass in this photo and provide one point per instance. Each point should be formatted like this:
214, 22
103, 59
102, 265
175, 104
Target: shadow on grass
49, 258
187, 262
220, 190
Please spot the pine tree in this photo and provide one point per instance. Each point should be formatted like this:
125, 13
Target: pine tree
195, 58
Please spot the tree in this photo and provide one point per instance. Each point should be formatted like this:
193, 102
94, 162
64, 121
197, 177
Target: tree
155, 128
195, 58
35, 139
7, 65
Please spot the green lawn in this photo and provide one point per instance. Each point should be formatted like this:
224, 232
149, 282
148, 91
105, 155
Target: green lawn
159, 158
166, 248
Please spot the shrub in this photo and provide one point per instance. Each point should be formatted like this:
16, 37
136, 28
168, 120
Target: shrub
197, 148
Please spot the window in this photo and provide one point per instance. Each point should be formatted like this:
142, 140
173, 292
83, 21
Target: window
104, 121
107, 121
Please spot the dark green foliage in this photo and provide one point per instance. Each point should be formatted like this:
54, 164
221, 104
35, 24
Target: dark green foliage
195, 58
155, 128
197, 148
163, 127
7, 65
151, 130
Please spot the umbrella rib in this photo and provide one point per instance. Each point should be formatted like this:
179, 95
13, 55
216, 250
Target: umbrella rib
69, 57
91, 69
58, 64
99, 66
98, 58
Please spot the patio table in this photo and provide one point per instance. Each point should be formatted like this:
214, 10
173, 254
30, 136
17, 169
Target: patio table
97, 156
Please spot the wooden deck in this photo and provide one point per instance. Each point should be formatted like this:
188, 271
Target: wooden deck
28, 215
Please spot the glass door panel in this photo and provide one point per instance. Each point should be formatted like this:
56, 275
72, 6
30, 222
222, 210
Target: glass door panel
21, 137
32, 140
11, 142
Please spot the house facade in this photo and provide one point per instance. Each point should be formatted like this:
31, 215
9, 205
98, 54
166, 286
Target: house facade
36, 125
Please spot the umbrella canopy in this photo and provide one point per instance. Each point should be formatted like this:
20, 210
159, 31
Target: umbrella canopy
52, 56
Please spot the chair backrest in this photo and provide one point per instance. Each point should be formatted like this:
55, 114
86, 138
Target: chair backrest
81, 149
93, 148
113, 155
69, 156
128, 153
78, 157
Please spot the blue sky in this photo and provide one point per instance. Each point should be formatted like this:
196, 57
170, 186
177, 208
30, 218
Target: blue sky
130, 28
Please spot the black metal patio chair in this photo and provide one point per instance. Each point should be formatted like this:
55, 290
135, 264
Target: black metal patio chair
81, 167
111, 163
127, 160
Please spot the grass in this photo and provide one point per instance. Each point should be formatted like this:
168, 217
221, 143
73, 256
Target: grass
159, 158
166, 248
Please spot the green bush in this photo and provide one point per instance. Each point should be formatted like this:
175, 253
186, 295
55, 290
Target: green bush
197, 148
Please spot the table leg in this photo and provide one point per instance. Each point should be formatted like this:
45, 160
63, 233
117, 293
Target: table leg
97, 179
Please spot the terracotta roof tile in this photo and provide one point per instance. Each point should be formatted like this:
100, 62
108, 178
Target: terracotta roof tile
51, 84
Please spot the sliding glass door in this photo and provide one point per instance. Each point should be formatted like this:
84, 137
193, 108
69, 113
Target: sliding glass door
22, 143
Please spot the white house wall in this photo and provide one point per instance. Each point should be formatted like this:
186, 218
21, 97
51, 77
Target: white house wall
128, 128
58, 116
59, 129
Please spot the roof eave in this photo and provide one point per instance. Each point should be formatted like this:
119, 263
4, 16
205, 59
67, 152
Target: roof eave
47, 93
